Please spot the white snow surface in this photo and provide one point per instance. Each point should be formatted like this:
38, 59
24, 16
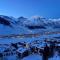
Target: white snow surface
19, 27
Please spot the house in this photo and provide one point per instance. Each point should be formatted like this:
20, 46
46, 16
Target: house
38, 47
7, 50
22, 52
2, 49
14, 45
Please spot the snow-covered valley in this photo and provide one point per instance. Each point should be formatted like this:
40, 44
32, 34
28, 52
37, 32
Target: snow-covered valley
25, 39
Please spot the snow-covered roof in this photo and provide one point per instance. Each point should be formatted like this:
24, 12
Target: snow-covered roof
22, 50
2, 49
39, 45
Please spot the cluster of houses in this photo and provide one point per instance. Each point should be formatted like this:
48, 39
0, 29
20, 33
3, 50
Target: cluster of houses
22, 49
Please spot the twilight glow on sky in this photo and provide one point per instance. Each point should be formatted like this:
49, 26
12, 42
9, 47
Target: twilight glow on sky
28, 8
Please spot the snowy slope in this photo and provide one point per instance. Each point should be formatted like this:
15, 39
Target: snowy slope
9, 26
37, 24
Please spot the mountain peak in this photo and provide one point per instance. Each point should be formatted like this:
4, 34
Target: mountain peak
37, 17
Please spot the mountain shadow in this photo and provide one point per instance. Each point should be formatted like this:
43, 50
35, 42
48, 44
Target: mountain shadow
36, 27
5, 22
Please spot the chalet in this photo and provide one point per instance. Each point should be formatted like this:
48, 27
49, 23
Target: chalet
21, 43
37, 47
2, 49
22, 52
14, 45
7, 50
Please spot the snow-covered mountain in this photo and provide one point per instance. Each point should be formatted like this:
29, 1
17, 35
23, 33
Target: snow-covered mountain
8, 26
11, 25
45, 23
37, 23
54, 23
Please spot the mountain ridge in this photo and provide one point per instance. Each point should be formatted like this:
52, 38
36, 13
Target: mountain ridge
11, 25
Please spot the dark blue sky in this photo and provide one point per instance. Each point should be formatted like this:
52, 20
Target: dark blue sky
28, 8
